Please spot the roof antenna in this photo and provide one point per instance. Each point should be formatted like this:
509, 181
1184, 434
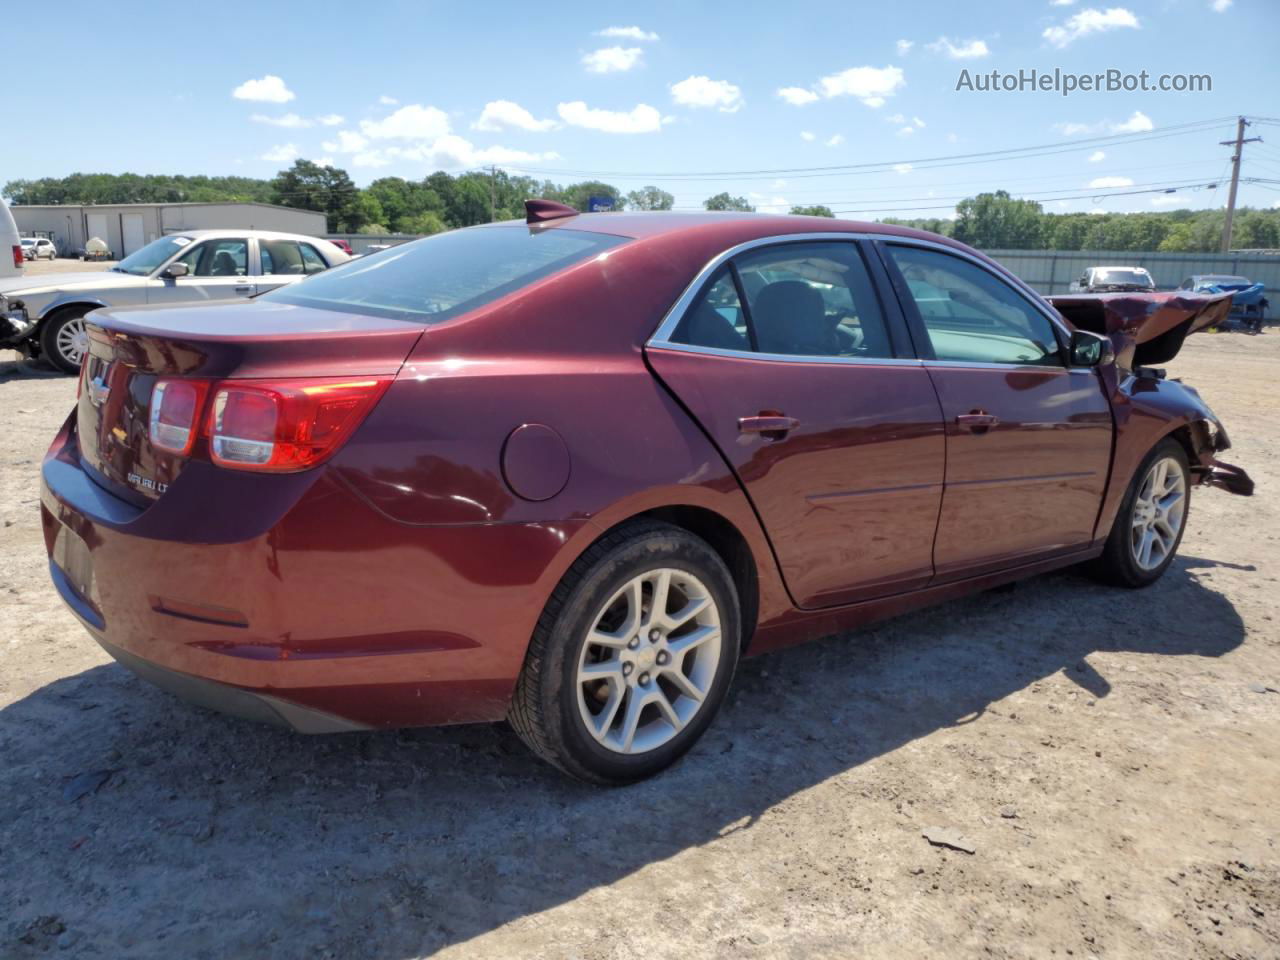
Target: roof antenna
536, 211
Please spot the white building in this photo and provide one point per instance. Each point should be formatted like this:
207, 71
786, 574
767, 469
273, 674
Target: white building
126, 227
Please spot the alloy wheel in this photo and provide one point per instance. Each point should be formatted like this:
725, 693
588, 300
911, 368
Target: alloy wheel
73, 341
649, 661
1158, 513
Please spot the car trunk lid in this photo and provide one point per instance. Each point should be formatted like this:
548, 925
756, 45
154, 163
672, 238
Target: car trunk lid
130, 350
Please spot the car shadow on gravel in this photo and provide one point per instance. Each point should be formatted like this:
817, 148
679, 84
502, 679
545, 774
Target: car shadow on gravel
28, 370
133, 824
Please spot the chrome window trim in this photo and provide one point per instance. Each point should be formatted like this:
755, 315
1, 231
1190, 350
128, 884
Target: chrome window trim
662, 336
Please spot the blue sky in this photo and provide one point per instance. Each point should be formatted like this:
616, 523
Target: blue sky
406, 88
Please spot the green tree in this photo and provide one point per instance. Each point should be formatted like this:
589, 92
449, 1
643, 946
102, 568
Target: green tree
309, 186
1179, 239
578, 195
722, 201
424, 223
817, 210
650, 198
997, 220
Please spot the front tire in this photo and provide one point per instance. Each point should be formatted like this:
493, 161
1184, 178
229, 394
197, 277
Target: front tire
64, 340
1152, 518
632, 656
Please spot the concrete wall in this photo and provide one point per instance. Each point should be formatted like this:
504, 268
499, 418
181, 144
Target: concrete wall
1051, 271
69, 225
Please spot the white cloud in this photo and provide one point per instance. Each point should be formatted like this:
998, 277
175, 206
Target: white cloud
1097, 156
1138, 123
1166, 200
1097, 211
410, 122
835, 140
503, 114
806, 135
902, 168
330, 119
895, 118
1220, 6
1071, 129
628, 33
449, 152
700, 91
325, 162
904, 47
1061, 3
284, 153
969, 50
1089, 21
871, 85
952, 138
268, 89
641, 119
906, 131
612, 59
766, 203
348, 142
918, 122
388, 101
1110, 182
797, 96
290, 120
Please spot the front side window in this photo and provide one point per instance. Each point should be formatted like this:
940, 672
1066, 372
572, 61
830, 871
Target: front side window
441, 276
802, 299
971, 315
217, 258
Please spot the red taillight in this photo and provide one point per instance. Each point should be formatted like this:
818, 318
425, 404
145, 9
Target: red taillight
176, 406
17, 256
286, 426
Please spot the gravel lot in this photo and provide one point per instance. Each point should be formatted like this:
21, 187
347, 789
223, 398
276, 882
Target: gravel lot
1113, 756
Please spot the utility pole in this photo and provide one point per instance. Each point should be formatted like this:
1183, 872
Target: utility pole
493, 193
1238, 143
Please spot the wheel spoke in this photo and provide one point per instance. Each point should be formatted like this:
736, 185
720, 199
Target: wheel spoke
1144, 550
665, 708
681, 645
686, 613
686, 686
661, 593
605, 670
631, 720
603, 721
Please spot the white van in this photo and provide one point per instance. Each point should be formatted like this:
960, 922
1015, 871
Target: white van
10, 244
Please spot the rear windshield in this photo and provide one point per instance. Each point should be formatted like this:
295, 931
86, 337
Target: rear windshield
1130, 277
442, 276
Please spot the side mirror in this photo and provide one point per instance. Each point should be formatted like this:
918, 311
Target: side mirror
1090, 349
175, 270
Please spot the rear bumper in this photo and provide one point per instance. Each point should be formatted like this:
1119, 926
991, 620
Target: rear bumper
321, 613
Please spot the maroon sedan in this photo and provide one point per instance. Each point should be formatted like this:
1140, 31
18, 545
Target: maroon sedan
568, 471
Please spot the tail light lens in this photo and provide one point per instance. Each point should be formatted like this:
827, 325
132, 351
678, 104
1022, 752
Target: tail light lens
286, 426
175, 414
17, 255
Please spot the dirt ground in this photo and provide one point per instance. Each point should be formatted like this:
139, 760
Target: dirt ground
1113, 757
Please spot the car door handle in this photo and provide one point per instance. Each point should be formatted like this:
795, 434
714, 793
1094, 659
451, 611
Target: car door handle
771, 426
977, 421
244, 289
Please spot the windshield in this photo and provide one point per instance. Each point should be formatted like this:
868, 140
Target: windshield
143, 263
28, 242
441, 276
1138, 278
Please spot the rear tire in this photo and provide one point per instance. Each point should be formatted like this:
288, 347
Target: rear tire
618, 684
1151, 520
63, 341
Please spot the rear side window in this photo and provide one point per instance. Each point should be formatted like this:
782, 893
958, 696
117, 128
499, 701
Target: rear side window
971, 315
802, 299
442, 276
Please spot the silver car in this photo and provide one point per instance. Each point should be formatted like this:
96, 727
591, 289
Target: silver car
38, 248
45, 314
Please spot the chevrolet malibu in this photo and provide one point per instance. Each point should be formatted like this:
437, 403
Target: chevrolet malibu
568, 470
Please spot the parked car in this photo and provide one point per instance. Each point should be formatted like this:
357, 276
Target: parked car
1248, 299
38, 248
11, 256
343, 245
1113, 280
44, 315
567, 471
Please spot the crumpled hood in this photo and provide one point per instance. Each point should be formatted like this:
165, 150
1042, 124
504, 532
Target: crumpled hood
1145, 328
15, 287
